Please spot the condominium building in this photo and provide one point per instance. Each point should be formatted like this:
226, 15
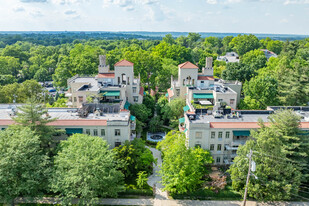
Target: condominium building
222, 134
202, 90
107, 121
109, 86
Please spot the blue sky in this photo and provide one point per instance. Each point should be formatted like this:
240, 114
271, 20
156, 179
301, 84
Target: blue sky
239, 16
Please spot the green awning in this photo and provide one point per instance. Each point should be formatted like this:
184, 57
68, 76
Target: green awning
74, 130
166, 94
203, 96
111, 93
132, 118
241, 133
186, 108
181, 120
185, 130
127, 105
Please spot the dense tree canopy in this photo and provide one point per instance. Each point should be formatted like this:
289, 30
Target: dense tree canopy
182, 169
24, 170
279, 152
86, 168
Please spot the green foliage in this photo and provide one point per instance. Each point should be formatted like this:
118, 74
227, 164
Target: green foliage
244, 43
169, 68
173, 111
176, 52
135, 157
183, 168
86, 168
278, 178
7, 79
142, 179
141, 112
61, 102
23, 166
155, 124
21, 92
263, 89
162, 101
150, 102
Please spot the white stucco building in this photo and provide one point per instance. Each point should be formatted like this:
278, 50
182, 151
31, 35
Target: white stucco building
109, 86
202, 88
223, 135
109, 122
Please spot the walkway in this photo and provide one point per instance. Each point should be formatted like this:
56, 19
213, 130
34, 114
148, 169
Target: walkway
155, 179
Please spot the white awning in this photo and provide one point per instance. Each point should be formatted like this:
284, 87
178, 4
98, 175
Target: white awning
68, 94
205, 102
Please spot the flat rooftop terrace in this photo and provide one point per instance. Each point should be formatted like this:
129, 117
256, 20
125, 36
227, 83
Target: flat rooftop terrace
72, 114
245, 116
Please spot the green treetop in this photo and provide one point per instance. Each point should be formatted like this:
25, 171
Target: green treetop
86, 168
23, 166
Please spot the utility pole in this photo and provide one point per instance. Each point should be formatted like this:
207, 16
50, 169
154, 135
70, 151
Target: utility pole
247, 182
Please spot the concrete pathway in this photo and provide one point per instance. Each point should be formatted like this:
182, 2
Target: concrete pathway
155, 179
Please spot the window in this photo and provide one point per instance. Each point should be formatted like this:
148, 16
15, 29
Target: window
198, 135
134, 90
198, 144
213, 135
102, 132
117, 132
212, 147
183, 82
220, 135
135, 99
88, 131
218, 160
227, 135
219, 147
232, 101
95, 132
177, 92
75, 99
117, 97
117, 144
80, 99
202, 82
220, 100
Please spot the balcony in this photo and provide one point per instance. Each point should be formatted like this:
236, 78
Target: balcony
133, 126
238, 142
229, 148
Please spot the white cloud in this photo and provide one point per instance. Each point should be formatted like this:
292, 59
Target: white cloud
70, 12
33, 1
19, 9
284, 21
36, 13
287, 2
62, 2
211, 1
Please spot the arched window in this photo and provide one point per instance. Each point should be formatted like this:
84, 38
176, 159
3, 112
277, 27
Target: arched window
198, 144
123, 78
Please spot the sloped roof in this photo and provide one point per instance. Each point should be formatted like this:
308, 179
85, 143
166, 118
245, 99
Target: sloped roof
187, 65
170, 93
106, 75
200, 77
141, 91
124, 63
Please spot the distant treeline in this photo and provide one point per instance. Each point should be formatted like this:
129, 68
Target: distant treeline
54, 38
